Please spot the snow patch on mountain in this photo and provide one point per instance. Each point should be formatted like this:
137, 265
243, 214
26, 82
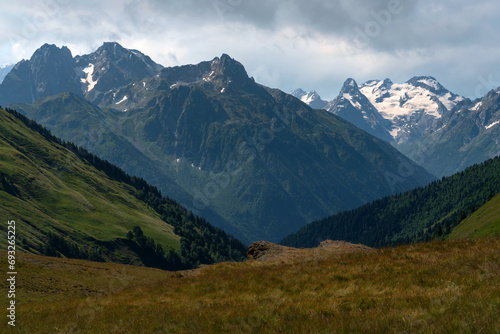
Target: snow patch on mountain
125, 98
310, 97
492, 125
477, 106
87, 78
450, 101
395, 131
431, 82
351, 99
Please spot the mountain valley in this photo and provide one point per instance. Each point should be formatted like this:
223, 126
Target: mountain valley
253, 160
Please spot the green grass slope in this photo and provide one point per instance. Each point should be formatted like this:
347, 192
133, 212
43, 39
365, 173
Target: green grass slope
437, 287
53, 193
51, 190
484, 222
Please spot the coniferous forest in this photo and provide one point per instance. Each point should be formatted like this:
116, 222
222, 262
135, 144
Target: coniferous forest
417, 215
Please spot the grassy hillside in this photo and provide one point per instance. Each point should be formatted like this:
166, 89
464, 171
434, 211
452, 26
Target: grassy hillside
484, 222
64, 205
64, 194
437, 287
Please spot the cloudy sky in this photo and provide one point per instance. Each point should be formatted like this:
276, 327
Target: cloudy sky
313, 44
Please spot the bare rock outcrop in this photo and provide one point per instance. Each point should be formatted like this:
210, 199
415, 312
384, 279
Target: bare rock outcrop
268, 251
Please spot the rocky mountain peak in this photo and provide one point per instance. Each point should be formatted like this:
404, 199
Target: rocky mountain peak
353, 106
49, 70
47, 50
112, 48
387, 83
311, 98
298, 93
229, 69
112, 66
350, 87
51, 58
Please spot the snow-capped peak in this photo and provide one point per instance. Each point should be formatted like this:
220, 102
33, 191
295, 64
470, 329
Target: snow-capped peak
418, 95
429, 83
350, 87
311, 98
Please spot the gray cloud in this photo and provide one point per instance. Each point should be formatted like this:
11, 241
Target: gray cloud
313, 44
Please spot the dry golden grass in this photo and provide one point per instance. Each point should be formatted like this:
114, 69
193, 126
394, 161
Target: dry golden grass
439, 287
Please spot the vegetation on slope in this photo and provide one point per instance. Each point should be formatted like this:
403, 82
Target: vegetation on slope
416, 215
68, 202
436, 287
484, 222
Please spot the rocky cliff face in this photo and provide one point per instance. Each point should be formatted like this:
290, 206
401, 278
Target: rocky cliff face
52, 70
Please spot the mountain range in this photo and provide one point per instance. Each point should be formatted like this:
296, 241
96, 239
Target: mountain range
420, 214
255, 161
52, 70
440, 130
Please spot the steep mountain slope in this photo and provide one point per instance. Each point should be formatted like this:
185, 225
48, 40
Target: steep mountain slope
354, 107
69, 202
52, 70
416, 215
263, 162
49, 71
110, 67
467, 135
484, 222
